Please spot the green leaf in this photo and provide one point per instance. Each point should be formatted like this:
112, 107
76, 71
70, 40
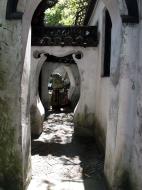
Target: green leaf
63, 13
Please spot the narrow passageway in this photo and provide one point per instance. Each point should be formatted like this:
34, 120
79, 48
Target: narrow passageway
62, 162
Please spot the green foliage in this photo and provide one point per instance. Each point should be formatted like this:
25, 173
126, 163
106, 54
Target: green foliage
63, 13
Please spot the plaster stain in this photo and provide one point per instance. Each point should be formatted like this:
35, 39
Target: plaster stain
10, 167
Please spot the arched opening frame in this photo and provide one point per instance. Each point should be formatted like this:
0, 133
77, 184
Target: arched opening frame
74, 78
30, 7
114, 9
41, 59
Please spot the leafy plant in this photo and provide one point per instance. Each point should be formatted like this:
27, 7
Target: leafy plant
63, 13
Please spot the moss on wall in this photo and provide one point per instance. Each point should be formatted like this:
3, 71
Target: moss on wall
126, 182
99, 135
87, 125
123, 181
10, 163
84, 125
2, 79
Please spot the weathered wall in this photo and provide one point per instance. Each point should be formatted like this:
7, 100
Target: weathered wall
123, 134
136, 157
15, 44
49, 67
122, 159
36, 108
10, 90
14, 78
74, 91
101, 83
84, 112
25, 112
123, 127
127, 106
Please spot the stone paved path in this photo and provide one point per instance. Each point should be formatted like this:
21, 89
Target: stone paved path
61, 162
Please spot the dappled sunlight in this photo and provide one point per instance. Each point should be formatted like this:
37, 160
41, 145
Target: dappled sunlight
59, 128
60, 161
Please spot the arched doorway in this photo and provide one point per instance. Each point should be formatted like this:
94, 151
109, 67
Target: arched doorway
69, 73
28, 10
113, 8
81, 62
42, 68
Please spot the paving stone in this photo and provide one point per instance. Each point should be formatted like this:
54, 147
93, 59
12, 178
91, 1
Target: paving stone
62, 162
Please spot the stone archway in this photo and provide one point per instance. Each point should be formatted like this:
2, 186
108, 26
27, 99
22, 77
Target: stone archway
74, 77
38, 59
28, 9
23, 63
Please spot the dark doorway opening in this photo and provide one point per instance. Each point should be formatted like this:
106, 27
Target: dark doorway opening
133, 12
107, 48
59, 84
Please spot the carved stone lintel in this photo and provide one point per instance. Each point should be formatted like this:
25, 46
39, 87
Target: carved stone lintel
85, 36
68, 59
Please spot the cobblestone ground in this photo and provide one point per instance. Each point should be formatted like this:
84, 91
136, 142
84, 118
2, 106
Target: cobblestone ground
61, 162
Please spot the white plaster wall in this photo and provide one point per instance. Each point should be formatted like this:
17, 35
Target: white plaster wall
123, 137
74, 90
35, 72
36, 108
116, 96
11, 170
84, 112
102, 84
87, 67
25, 112
48, 68
119, 134
114, 100
136, 159
127, 98
113, 7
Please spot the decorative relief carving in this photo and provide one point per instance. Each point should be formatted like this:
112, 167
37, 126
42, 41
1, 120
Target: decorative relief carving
85, 36
84, 12
68, 59
83, 6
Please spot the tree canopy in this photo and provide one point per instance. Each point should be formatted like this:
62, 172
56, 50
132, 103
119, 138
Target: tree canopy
63, 13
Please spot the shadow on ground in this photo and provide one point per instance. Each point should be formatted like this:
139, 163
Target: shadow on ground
67, 163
